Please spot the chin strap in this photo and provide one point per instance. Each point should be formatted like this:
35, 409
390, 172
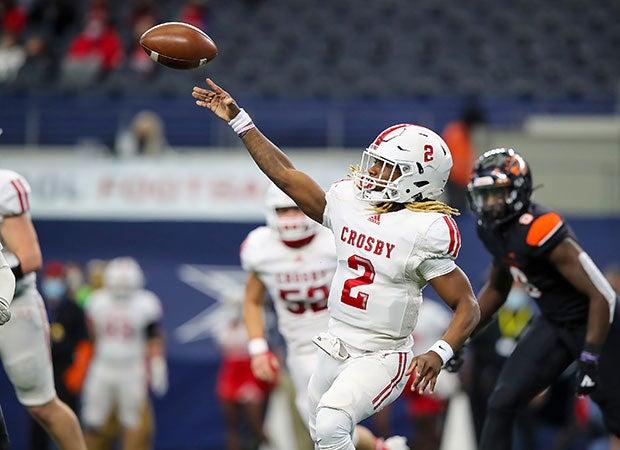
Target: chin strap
299, 243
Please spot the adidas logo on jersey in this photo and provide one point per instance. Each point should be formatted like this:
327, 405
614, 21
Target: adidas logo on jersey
375, 218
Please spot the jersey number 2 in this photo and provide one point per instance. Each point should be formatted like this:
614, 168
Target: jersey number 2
356, 262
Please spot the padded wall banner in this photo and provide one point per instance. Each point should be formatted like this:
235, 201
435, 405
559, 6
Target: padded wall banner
211, 186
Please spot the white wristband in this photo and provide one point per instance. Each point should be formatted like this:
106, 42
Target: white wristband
241, 122
443, 349
257, 346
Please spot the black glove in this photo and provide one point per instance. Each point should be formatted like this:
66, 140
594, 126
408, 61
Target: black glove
454, 364
587, 373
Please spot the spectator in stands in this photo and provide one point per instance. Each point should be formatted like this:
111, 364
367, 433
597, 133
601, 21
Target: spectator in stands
124, 323
39, 68
55, 16
195, 12
12, 57
142, 18
14, 17
71, 349
458, 134
96, 51
145, 136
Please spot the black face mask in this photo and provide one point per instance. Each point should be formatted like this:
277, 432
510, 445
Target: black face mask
495, 206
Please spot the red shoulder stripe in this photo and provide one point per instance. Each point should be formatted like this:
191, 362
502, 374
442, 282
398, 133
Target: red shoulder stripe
458, 238
453, 233
21, 195
543, 228
25, 191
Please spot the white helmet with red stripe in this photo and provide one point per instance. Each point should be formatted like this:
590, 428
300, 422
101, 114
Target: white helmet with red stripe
123, 276
293, 226
419, 159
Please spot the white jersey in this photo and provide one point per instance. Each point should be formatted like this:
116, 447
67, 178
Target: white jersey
384, 262
120, 324
297, 279
14, 201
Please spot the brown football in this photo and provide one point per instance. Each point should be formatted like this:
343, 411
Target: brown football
178, 45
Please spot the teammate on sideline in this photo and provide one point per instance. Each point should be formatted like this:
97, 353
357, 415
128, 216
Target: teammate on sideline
124, 322
7, 289
534, 245
392, 239
24, 340
297, 272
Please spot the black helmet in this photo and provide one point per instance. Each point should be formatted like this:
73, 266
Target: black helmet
500, 187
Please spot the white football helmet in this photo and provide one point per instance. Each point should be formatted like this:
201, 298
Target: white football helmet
422, 157
123, 276
290, 228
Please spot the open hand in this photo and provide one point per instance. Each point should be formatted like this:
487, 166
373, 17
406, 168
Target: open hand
217, 100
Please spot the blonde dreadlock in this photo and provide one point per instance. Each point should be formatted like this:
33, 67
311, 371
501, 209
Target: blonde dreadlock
422, 206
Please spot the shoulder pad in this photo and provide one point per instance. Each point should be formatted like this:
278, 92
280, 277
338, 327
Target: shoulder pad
443, 237
543, 228
14, 194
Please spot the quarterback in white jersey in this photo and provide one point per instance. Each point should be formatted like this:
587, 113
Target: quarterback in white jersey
392, 239
296, 272
123, 320
24, 340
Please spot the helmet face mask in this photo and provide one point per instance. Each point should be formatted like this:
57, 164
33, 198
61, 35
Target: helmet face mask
500, 187
404, 163
285, 217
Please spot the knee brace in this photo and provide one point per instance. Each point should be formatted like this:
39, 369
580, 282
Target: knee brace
333, 430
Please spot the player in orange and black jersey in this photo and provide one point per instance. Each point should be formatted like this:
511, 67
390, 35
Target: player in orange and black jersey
534, 245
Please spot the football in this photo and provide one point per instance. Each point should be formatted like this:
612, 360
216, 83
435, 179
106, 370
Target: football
178, 45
